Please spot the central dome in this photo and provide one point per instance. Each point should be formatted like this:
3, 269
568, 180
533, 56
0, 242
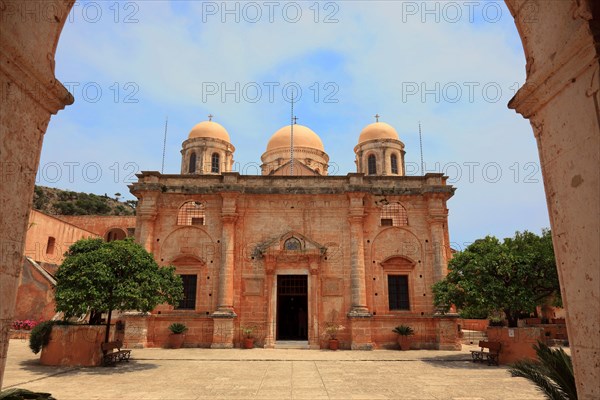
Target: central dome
378, 130
303, 137
209, 129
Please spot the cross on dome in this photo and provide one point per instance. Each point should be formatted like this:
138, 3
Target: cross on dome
377, 116
210, 117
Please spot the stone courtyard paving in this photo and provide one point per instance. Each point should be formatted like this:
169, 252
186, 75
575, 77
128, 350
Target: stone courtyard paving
272, 374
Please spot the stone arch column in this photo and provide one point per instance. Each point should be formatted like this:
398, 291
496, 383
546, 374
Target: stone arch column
30, 94
561, 100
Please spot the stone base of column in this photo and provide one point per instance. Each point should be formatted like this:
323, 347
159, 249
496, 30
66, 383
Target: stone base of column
359, 312
222, 331
360, 330
136, 329
447, 332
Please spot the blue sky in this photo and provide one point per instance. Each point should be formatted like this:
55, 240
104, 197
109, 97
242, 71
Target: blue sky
453, 66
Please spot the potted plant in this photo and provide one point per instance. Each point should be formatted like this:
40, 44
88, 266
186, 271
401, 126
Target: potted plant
404, 333
331, 331
248, 336
177, 335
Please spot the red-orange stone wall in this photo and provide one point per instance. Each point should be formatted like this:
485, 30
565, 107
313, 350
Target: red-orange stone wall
43, 226
264, 218
35, 297
101, 224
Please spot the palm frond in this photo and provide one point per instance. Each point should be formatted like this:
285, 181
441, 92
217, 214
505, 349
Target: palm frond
552, 373
535, 373
559, 368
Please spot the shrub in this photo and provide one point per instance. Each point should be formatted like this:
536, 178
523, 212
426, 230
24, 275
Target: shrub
40, 336
247, 331
496, 322
403, 330
22, 394
177, 328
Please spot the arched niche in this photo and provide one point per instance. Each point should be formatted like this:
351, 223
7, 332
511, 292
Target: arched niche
396, 241
191, 241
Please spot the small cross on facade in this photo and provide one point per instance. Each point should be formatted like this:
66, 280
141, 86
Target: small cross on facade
377, 117
295, 119
210, 117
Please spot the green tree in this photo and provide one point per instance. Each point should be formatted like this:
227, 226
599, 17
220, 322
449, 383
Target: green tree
120, 275
513, 276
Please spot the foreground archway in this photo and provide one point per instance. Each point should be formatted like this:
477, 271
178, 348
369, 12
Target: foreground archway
560, 98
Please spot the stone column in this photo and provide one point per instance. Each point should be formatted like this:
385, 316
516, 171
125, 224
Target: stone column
271, 312
144, 229
224, 315
357, 257
359, 315
561, 99
313, 305
437, 246
200, 160
29, 95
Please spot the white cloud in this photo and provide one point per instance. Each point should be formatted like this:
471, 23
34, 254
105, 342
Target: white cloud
379, 53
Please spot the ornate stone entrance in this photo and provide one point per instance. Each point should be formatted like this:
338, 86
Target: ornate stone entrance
292, 306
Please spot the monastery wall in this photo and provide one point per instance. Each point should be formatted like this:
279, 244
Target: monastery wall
49, 237
101, 224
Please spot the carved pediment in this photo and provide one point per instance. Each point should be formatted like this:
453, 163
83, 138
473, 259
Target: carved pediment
398, 263
290, 245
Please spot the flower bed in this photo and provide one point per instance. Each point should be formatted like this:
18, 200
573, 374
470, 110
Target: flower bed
21, 329
24, 325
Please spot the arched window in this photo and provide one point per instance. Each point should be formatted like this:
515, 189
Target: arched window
192, 167
394, 214
372, 164
191, 213
292, 244
394, 164
115, 234
50, 245
214, 163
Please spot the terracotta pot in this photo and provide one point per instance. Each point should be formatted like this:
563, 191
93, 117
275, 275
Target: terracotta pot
248, 343
404, 342
334, 344
176, 340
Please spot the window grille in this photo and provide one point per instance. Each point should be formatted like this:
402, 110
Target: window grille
292, 244
394, 214
292, 285
398, 292
191, 213
190, 283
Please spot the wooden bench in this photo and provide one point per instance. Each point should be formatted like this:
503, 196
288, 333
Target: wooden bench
110, 356
490, 356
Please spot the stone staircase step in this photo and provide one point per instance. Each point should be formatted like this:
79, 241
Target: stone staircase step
472, 337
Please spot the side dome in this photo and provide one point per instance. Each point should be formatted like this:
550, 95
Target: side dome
209, 129
378, 130
303, 137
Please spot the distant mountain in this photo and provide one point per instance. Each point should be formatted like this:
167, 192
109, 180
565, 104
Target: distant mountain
64, 202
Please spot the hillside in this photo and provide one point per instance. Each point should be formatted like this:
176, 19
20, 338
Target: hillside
64, 202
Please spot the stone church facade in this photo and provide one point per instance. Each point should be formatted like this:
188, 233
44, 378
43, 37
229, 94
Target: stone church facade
293, 250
